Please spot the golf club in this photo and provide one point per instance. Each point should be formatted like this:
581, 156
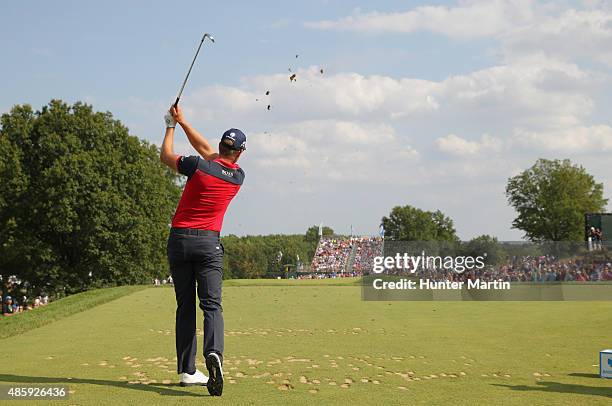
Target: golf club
206, 35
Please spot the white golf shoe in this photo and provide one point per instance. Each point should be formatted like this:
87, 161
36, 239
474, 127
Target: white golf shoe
197, 378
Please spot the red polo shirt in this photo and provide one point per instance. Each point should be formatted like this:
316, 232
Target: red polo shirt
210, 187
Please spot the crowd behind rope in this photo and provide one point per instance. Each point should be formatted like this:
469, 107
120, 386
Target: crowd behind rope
545, 268
13, 302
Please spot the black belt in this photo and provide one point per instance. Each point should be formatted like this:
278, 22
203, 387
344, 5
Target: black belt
194, 231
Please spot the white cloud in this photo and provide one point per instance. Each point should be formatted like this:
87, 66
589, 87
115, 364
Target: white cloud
348, 127
336, 96
521, 26
580, 139
332, 149
534, 92
455, 145
572, 34
469, 19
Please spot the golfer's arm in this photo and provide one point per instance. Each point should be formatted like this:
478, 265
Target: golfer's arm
167, 154
198, 142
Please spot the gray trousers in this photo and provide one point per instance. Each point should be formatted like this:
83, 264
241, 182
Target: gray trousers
195, 258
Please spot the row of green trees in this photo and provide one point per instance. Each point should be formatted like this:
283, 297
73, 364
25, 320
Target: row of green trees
266, 256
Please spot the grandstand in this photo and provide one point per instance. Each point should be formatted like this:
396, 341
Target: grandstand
364, 251
345, 256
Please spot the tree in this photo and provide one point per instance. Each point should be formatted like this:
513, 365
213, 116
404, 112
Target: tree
257, 256
485, 245
81, 197
551, 199
312, 234
407, 223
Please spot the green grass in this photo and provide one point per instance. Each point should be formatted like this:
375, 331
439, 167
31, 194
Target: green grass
293, 282
28, 320
299, 343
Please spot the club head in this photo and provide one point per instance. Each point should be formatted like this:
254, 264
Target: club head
210, 37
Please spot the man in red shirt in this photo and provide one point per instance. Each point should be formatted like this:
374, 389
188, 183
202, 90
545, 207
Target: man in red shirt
195, 252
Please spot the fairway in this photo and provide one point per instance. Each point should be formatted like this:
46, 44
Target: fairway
303, 343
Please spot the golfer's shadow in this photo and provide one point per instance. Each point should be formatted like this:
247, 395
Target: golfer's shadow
161, 389
558, 387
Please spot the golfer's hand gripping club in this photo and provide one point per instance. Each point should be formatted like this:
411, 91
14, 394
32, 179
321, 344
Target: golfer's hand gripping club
176, 113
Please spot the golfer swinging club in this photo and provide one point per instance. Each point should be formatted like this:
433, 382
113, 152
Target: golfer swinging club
195, 252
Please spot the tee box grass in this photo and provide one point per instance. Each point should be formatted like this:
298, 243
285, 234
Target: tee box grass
308, 343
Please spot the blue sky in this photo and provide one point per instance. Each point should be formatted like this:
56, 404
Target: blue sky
433, 104
108, 51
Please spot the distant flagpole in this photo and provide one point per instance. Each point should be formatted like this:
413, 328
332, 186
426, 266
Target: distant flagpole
320, 229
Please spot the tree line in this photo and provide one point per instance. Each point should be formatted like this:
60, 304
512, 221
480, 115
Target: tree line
269, 256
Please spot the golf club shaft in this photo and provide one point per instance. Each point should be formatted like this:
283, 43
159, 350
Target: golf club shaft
188, 72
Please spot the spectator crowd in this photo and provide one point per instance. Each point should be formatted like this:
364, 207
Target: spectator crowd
14, 302
366, 248
333, 259
333, 256
545, 268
